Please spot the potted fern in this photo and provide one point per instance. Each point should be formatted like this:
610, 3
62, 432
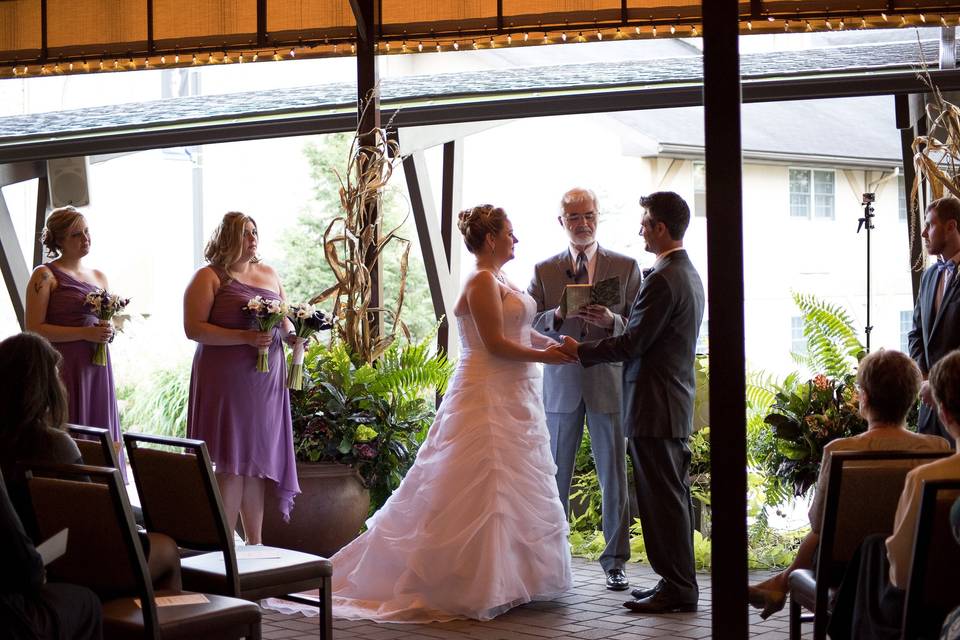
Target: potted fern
368, 394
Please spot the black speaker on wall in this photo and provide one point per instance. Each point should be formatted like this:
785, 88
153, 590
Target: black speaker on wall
67, 178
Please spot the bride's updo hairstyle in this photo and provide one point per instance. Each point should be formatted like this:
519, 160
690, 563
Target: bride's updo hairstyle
475, 223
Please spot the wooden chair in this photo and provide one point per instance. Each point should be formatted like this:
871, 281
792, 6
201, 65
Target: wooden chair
932, 588
104, 554
862, 494
96, 446
180, 498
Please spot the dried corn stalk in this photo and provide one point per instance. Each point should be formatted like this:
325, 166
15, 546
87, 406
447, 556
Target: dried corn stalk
352, 248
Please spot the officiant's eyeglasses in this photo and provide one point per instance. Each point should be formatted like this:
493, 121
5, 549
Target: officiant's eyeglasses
577, 218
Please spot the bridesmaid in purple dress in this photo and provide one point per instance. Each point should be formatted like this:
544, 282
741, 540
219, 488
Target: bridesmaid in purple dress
242, 414
56, 310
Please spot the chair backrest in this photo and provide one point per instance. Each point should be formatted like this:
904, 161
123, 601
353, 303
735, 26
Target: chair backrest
863, 490
933, 589
179, 495
103, 550
95, 444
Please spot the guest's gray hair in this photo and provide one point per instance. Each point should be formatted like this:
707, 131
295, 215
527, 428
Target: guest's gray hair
576, 196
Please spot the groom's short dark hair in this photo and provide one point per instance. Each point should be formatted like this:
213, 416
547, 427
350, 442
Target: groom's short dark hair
670, 209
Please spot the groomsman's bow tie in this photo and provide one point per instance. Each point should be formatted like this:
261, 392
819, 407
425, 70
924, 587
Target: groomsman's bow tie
949, 265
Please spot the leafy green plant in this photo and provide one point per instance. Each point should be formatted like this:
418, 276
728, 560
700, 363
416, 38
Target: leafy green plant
157, 404
372, 418
833, 348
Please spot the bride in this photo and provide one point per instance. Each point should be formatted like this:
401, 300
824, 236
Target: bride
476, 527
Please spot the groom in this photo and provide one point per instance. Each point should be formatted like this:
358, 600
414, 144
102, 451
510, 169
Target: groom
658, 348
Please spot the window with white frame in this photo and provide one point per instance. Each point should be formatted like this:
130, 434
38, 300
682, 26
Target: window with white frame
798, 342
699, 190
906, 324
812, 193
703, 338
902, 189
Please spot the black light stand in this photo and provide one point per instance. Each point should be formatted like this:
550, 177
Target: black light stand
866, 222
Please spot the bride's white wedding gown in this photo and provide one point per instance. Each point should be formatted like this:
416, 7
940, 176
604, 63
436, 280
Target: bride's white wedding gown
476, 527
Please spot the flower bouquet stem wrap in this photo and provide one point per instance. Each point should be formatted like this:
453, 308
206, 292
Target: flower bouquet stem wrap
104, 306
306, 320
267, 312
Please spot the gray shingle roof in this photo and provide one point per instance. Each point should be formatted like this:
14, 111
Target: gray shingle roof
462, 86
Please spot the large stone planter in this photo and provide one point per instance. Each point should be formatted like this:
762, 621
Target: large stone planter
326, 515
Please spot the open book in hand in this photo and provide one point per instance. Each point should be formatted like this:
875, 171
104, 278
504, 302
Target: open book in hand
576, 296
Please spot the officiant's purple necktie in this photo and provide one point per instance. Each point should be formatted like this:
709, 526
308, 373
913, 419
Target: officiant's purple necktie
581, 275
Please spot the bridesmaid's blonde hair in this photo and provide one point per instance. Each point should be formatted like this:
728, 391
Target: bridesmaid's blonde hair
58, 225
226, 244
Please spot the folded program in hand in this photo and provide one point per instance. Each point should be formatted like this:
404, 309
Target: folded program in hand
576, 296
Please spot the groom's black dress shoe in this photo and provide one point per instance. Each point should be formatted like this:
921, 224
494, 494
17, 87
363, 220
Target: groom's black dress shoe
646, 592
660, 603
616, 580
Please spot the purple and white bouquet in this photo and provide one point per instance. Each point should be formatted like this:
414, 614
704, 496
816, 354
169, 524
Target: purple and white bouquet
268, 312
307, 320
104, 305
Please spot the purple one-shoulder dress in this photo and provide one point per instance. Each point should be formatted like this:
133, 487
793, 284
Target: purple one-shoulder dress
241, 413
91, 396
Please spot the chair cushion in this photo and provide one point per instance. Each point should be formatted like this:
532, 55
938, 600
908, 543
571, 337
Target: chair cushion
803, 588
291, 572
123, 619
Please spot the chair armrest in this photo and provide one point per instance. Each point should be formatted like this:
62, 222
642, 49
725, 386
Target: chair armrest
803, 588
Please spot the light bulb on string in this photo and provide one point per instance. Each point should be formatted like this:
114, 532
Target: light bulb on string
456, 46
420, 47
526, 36
923, 18
353, 48
829, 24
749, 25
70, 66
884, 16
863, 23
771, 19
943, 21
388, 47
599, 35
693, 31
438, 48
226, 58
841, 24
403, 46
903, 20
131, 64
509, 39
637, 29
563, 36
86, 66
809, 26
654, 31
176, 59
116, 65
256, 56
163, 59
292, 53
673, 29
492, 42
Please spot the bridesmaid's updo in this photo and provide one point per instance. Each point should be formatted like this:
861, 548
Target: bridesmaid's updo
475, 223
58, 225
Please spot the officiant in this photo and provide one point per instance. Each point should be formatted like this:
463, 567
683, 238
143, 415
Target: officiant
574, 396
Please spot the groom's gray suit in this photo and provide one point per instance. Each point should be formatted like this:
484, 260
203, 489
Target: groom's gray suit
572, 393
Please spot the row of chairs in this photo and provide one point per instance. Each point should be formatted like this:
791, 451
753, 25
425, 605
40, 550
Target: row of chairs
179, 498
863, 491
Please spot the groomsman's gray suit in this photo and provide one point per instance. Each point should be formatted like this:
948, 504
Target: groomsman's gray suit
572, 393
934, 335
658, 351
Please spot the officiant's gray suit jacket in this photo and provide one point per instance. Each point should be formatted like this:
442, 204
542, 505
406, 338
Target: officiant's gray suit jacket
566, 384
933, 336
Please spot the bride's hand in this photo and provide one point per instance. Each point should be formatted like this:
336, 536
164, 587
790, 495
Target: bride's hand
555, 354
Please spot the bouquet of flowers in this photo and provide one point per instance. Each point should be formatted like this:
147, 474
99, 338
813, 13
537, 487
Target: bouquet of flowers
104, 305
804, 418
306, 320
268, 312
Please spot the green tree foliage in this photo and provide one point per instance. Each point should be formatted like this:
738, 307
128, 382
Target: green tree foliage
303, 267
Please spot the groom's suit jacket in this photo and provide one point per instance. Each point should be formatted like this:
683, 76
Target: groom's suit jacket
658, 349
934, 335
565, 385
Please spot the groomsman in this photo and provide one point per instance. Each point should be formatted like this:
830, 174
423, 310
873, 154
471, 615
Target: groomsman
572, 394
936, 315
658, 349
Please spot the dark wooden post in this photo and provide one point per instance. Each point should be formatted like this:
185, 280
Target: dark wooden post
728, 441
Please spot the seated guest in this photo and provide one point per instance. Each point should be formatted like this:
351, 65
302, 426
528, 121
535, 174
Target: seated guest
889, 382
951, 626
870, 601
33, 406
30, 608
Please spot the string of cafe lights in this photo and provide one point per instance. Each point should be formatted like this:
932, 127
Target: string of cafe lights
402, 45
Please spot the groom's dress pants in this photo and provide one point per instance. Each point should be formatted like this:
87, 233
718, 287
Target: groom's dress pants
609, 454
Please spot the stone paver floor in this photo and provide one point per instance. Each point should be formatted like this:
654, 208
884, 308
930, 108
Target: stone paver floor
587, 612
